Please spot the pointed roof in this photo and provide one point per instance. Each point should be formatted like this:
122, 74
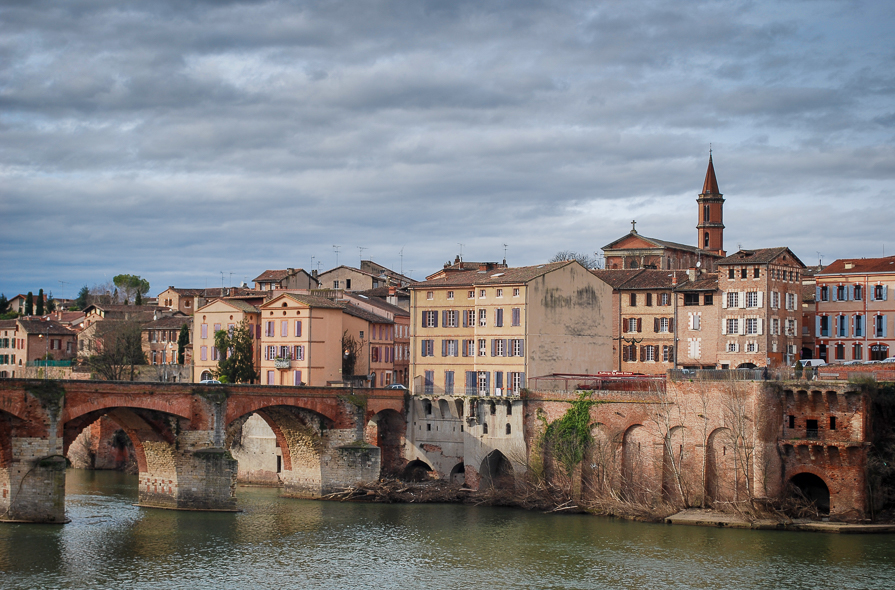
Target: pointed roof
710, 186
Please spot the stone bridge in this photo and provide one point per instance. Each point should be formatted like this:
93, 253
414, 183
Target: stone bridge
180, 433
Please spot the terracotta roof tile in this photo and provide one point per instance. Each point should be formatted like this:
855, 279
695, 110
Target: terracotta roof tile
366, 315
41, 327
497, 276
710, 186
860, 266
759, 256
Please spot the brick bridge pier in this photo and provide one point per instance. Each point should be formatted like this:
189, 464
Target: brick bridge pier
181, 433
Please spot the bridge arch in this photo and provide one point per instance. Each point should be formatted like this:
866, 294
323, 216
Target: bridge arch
811, 487
496, 471
637, 463
386, 430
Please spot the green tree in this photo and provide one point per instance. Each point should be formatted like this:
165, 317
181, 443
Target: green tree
120, 350
138, 299
83, 294
183, 339
237, 354
131, 285
40, 302
29, 303
4, 303
351, 348
51, 303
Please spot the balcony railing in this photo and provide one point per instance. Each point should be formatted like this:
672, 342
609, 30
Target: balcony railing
282, 363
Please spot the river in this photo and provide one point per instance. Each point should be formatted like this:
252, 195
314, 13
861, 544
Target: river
283, 543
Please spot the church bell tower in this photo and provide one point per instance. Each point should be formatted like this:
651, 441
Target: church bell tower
710, 228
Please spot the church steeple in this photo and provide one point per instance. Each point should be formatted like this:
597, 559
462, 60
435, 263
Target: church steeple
710, 229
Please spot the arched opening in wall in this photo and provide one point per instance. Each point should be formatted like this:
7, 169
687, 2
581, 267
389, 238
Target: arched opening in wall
6, 423
746, 366
810, 490
458, 474
600, 465
386, 430
720, 467
806, 353
416, 471
675, 465
638, 483
444, 409
497, 472
279, 445
206, 375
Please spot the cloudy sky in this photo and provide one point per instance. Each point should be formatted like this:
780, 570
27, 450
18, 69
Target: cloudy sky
178, 140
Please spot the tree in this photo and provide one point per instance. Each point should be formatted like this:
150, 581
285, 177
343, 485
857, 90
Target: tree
183, 339
350, 349
237, 354
585, 260
51, 303
40, 302
4, 303
29, 304
131, 285
138, 300
83, 294
120, 350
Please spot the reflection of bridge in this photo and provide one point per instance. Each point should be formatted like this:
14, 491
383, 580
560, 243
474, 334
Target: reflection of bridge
180, 433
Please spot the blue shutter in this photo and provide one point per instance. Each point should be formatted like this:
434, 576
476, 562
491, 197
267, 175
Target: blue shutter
885, 326
521, 347
465, 318
425, 323
422, 348
498, 379
444, 348
506, 350
488, 382
521, 380
817, 326
444, 317
817, 293
885, 292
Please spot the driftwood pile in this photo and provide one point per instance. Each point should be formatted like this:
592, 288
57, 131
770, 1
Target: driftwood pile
395, 491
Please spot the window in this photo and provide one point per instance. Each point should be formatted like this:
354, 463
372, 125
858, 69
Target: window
449, 348
500, 292
732, 347
823, 323
468, 318
649, 352
469, 348
756, 272
335, 284
859, 294
499, 347
663, 324
430, 295
483, 317
879, 326
664, 299
483, 387
775, 326
298, 328
284, 328
733, 326
705, 240
483, 347
450, 294
481, 294
824, 293
215, 353
517, 316
633, 301
450, 318
840, 352
633, 324
430, 319
695, 321
470, 294
516, 292
705, 213
667, 353
841, 293
691, 299
708, 299
752, 299
859, 326
427, 347
649, 299
878, 293
731, 273
268, 329
518, 347
744, 272
429, 388
751, 326
733, 299
842, 325
858, 351
775, 300
790, 327
449, 383
752, 346
298, 352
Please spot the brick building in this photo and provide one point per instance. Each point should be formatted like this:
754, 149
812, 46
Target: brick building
290, 278
220, 314
698, 307
761, 301
160, 338
855, 310
26, 340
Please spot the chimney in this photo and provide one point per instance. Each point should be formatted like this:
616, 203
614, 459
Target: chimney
392, 296
691, 274
314, 273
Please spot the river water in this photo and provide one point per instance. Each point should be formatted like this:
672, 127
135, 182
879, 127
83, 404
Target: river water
284, 543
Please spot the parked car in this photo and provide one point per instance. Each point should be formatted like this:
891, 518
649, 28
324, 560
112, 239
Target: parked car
210, 382
891, 359
397, 386
812, 363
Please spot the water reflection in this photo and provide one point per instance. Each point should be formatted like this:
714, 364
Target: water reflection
284, 543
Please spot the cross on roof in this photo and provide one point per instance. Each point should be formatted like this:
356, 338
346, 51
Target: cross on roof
633, 226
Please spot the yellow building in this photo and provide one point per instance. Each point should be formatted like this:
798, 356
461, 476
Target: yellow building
482, 331
220, 314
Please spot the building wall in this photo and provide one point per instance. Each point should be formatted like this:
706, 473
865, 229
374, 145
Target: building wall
222, 314
348, 279
698, 331
321, 332
872, 344
648, 328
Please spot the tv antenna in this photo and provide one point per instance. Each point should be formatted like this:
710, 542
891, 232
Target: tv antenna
361, 250
505, 253
401, 254
63, 282
336, 249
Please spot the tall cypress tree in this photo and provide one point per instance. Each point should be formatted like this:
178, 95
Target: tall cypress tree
183, 339
40, 302
29, 303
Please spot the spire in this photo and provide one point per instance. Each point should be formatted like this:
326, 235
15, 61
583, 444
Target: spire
711, 183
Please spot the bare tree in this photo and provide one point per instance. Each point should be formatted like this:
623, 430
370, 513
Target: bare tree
586, 260
739, 434
119, 347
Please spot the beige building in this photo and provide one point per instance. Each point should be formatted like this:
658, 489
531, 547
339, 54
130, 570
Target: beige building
189, 300
301, 340
484, 331
220, 314
369, 276
395, 351
698, 316
290, 278
761, 308
160, 338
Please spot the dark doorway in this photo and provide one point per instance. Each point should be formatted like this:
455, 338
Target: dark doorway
813, 489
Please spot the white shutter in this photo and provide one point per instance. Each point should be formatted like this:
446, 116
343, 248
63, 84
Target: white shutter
690, 320
723, 299
885, 292
742, 299
724, 326
761, 299
760, 326
741, 325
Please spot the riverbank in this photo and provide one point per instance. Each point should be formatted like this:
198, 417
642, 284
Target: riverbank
439, 492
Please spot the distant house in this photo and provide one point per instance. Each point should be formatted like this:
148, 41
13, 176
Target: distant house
369, 276
290, 278
220, 314
26, 340
189, 300
160, 338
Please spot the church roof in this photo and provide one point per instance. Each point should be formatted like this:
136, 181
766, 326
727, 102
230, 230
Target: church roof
710, 186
